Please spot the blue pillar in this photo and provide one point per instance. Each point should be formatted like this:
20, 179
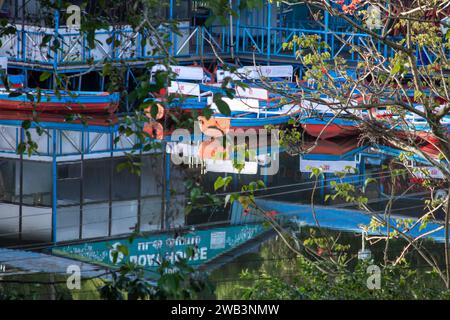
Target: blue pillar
54, 187
238, 25
326, 23
21, 44
80, 80
171, 33
127, 84
167, 177
269, 27
102, 86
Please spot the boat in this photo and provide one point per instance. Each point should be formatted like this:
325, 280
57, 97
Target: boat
321, 120
189, 73
245, 114
412, 126
256, 106
317, 119
277, 73
250, 108
42, 118
63, 102
327, 127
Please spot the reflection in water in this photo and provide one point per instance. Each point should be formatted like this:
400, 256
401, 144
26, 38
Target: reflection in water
291, 191
294, 183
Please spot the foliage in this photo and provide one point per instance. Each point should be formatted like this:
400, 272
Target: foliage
284, 276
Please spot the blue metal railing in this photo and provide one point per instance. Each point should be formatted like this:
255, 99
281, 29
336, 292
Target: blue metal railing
62, 139
25, 45
190, 41
253, 40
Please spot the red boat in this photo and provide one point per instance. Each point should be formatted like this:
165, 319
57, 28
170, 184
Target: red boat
94, 120
324, 130
63, 102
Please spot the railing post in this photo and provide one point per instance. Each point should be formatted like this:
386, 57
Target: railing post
113, 43
22, 52
224, 32
326, 24
244, 40
174, 44
56, 33
202, 41
231, 31
196, 40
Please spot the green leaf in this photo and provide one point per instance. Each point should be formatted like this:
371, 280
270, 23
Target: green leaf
221, 105
44, 76
417, 94
219, 183
26, 124
114, 255
195, 193
207, 112
222, 182
45, 40
21, 148
121, 166
369, 180
123, 249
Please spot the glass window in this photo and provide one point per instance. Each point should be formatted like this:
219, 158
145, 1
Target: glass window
151, 214
95, 220
68, 184
152, 169
9, 181
37, 183
68, 223
124, 217
96, 180
125, 183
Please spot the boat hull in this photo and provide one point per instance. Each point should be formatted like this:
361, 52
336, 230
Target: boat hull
324, 131
431, 143
100, 103
95, 119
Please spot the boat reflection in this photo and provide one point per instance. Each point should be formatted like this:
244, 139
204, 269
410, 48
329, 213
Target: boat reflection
341, 161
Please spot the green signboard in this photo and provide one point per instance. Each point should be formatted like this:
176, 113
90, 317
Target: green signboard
148, 251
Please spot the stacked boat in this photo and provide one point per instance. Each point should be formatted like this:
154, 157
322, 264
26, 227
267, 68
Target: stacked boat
251, 105
261, 96
15, 97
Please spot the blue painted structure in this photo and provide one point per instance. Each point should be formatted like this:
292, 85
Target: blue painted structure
261, 31
349, 220
57, 145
